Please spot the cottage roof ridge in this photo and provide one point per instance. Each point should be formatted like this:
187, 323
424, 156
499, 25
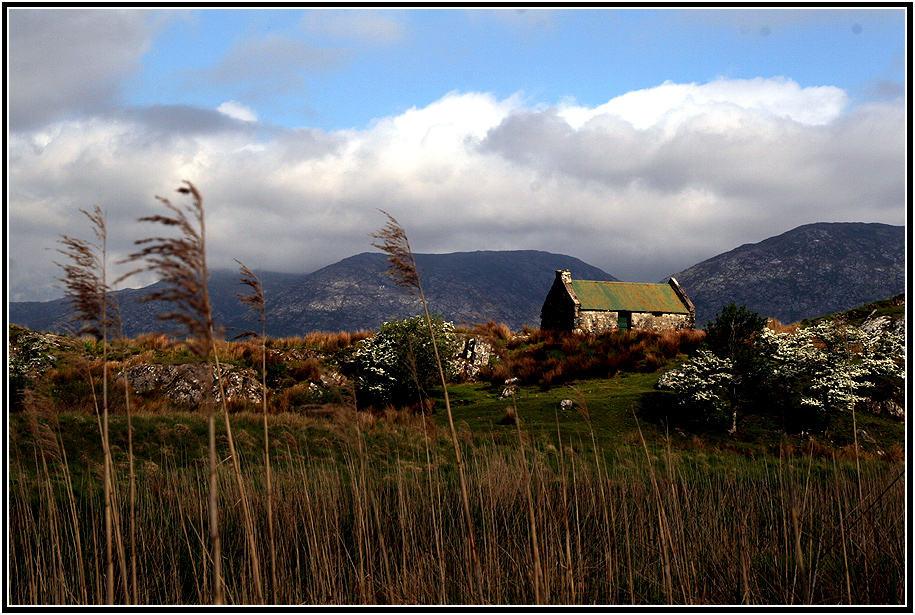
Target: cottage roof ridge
622, 282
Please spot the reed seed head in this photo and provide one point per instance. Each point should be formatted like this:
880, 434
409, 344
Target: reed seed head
180, 262
84, 277
401, 265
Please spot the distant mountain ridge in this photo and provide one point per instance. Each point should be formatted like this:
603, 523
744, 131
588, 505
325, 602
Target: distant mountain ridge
356, 293
806, 272
809, 271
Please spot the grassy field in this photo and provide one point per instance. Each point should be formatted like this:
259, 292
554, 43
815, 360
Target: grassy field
611, 501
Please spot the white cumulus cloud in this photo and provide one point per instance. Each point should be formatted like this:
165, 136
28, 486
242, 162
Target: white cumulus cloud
671, 104
641, 190
238, 111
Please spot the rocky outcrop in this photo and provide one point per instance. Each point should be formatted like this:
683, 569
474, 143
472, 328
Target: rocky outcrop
185, 383
874, 325
885, 407
30, 353
474, 356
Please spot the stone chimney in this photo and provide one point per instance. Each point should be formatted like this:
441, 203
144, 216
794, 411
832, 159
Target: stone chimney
564, 276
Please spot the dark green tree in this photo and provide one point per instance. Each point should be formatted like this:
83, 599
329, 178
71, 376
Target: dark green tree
731, 335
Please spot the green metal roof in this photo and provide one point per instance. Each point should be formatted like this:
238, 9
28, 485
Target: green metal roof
628, 297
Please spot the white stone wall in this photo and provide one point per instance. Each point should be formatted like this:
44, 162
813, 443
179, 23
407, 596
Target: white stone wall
662, 322
597, 321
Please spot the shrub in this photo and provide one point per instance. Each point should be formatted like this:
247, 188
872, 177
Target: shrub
814, 371
292, 398
830, 366
151, 341
397, 365
550, 358
733, 335
702, 386
492, 331
307, 370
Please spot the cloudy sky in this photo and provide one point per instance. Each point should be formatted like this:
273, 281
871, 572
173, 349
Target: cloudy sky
642, 141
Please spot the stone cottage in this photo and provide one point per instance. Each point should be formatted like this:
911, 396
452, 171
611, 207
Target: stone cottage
601, 306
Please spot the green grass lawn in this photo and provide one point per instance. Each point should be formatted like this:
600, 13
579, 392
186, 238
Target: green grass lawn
612, 405
619, 409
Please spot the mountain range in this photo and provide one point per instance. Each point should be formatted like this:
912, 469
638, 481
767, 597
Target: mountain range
809, 271
806, 272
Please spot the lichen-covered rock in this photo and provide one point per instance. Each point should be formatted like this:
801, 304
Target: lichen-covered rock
866, 436
331, 378
467, 371
474, 355
885, 407
477, 352
185, 383
875, 325
30, 353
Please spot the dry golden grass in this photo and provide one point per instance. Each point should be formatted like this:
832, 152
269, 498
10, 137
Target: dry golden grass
323, 342
492, 331
377, 529
549, 358
152, 341
778, 327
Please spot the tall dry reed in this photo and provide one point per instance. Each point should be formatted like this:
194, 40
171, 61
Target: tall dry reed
402, 268
257, 304
86, 288
776, 531
181, 263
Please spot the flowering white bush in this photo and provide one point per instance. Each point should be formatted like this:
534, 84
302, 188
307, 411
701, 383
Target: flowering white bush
884, 356
372, 361
827, 367
701, 384
829, 363
397, 364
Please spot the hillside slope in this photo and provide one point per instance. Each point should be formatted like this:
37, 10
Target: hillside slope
809, 271
505, 286
812, 270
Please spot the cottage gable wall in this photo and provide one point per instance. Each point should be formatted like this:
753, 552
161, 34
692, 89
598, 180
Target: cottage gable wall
560, 309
